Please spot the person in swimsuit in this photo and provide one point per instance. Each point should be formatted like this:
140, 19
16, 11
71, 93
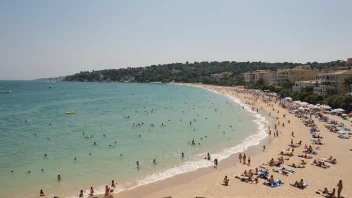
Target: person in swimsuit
226, 181
59, 178
81, 193
112, 184
339, 188
107, 191
299, 184
332, 194
91, 191
41, 193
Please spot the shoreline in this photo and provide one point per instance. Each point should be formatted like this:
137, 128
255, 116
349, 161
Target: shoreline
228, 162
208, 183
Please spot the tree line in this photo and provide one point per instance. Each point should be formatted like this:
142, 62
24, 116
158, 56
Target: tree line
190, 72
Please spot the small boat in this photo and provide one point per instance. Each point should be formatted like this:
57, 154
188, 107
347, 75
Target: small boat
5, 92
70, 112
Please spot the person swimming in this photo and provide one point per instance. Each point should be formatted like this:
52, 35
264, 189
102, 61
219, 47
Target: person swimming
59, 177
137, 163
45, 155
42, 170
154, 161
183, 155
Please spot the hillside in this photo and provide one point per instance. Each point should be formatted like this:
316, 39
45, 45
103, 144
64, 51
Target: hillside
187, 72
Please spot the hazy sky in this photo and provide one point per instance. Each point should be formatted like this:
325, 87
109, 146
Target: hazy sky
44, 38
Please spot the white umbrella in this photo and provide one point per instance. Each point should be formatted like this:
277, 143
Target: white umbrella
339, 110
325, 107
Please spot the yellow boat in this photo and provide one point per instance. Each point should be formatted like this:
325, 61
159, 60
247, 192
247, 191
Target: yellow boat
71, 112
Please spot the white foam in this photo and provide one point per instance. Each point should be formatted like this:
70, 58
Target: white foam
189, 166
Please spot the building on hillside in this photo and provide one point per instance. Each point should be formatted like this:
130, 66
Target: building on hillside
101, 77
268, 76
349, 62
127, 79
221, 76
299, 85
299, 73
332, 82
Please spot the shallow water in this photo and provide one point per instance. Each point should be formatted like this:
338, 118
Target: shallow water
102, 109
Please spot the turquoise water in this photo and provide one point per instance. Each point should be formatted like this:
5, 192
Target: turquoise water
102, 109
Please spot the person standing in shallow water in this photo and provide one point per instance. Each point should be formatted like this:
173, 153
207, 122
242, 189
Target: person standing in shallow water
42, 194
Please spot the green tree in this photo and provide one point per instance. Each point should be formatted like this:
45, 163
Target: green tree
348, 83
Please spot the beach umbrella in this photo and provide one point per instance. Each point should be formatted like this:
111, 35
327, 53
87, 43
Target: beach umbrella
339, 110
325, 107
340, 132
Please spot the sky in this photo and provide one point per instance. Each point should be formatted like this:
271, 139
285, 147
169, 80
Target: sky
56, 38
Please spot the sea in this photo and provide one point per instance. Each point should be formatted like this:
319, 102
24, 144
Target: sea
128, 122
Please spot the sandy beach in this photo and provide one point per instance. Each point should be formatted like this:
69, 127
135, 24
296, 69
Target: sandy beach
208, 182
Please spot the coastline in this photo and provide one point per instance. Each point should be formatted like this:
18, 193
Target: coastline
228, 162
207, 182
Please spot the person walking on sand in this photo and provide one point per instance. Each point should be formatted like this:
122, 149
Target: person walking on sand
216, 163
244, 158
249, 161
240, 157
263, 147
339, 189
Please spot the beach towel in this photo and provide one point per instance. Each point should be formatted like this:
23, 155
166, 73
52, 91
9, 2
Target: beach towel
264, 175
308, 157
276, 184
322, 166
303, 187
288, 170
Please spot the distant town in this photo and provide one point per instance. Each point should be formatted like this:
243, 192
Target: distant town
323, 82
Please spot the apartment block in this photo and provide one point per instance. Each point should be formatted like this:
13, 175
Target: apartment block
268, 76
299, 73
299, 85
332, 82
